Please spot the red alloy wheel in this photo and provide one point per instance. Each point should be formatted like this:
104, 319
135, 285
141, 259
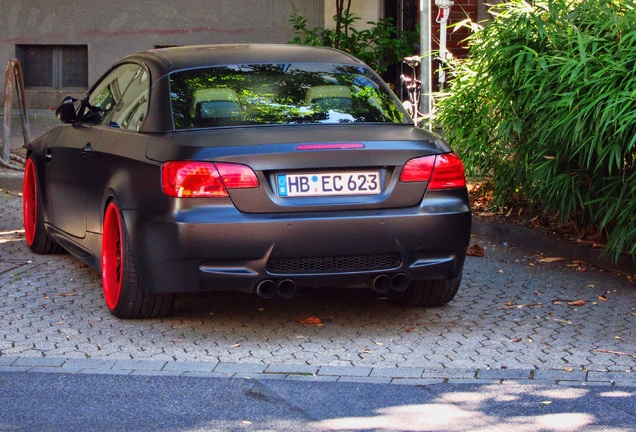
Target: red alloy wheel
112, 256
29, 202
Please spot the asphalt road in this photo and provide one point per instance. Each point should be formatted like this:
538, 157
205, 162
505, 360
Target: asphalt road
94, 402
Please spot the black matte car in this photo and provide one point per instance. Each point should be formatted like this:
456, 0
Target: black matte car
256, 168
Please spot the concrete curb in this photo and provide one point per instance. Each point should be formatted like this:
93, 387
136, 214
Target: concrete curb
304, 372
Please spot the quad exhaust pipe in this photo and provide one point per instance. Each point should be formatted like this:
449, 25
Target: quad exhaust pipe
268, 288
384, 283
286, 288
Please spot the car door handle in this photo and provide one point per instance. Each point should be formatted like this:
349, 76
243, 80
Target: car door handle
48, 155
87, 150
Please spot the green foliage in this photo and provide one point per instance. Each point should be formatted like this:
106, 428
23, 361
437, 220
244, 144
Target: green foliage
546, 105
378, 46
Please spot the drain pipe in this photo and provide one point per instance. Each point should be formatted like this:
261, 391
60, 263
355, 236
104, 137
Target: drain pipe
426, 95
442, 19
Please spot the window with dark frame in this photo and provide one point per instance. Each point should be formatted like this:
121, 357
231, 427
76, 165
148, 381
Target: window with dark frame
54, 66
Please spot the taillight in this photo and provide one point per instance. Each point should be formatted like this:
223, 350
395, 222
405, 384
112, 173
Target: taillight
204, 179
443, 171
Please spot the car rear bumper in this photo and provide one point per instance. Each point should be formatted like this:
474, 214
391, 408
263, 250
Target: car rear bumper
218, 248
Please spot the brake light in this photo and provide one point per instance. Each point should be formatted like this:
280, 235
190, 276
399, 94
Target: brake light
418, 170
443, 171
204, 179
237, 176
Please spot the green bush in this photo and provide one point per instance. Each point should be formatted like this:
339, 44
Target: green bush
545, 105
379, 46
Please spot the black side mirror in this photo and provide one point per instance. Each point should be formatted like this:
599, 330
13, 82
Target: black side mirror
66, 111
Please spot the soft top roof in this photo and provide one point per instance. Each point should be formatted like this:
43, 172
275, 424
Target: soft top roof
162, 62
168, 60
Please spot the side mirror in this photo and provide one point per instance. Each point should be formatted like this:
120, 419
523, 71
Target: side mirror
66, 111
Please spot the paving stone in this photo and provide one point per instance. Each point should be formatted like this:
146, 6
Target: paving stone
503, 315
397, 372
366, 380
559, 375
7, 360
240, 368
415, 381
291, 369
39, 362
88, 364
139, 365
509, 374
345, 370
623, 377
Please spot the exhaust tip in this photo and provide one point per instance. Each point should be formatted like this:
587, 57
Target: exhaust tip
399, 282
267, 289
287, 288
382, 284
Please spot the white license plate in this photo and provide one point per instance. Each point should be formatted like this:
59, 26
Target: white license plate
327, 184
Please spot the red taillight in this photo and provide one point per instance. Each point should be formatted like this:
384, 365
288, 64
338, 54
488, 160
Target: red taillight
418, 170
204, 179
443, 171
237, 176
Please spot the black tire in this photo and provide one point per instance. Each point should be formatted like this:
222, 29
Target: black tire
123, 292
33, 214
429, 293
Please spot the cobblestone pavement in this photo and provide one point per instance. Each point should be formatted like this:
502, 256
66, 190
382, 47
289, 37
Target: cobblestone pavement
510, 321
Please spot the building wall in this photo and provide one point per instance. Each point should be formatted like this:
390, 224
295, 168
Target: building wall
114, 28
366, 10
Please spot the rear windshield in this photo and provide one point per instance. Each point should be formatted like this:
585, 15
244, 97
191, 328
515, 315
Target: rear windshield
265, 94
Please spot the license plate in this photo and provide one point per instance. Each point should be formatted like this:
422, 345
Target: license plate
327, 184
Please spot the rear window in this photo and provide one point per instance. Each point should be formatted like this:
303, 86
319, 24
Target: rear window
265, 94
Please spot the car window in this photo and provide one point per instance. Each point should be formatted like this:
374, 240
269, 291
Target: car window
120, 100
296, 93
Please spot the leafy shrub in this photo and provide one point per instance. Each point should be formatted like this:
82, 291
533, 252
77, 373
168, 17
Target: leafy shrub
546, 106
379, 46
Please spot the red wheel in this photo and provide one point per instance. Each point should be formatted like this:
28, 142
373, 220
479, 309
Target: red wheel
123, 292
33, 214
29, 202
112, 256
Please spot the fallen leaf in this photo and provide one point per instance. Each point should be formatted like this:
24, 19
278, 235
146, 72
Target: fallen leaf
379, 343
367, 351
602, 297
67, 295
545, 402
551, 259
235, 346
518, 340
577, 303
475, 250
311, 320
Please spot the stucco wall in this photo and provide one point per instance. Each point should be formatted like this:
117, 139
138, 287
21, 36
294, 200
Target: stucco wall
366, 10
114, 28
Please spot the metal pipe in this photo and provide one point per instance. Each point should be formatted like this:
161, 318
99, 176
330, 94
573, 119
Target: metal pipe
426, 95
13, 75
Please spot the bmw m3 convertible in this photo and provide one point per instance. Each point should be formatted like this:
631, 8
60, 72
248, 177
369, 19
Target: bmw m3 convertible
257, 168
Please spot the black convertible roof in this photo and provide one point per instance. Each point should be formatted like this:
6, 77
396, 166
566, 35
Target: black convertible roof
168, 60
163, 61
